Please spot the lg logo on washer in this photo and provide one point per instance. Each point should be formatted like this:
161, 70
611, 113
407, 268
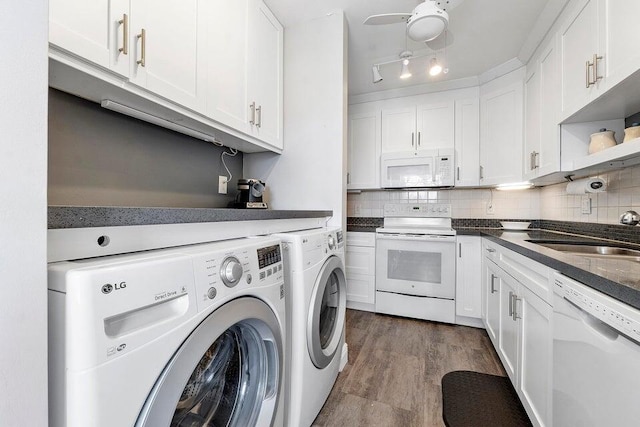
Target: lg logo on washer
108, 287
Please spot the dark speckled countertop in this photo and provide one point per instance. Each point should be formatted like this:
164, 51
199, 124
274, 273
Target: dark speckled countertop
102, 216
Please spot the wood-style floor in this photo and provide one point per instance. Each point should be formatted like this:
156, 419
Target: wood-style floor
395, 367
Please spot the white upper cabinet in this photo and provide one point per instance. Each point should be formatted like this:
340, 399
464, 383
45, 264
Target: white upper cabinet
542, 108
467, 142
435, 125
364, 151
425, 127
265, 88
165, 51
501, 128
581, 65
399, 129
97, 31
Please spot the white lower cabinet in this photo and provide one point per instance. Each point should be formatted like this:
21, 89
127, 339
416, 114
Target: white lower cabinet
518, 321
468, 279
360, 258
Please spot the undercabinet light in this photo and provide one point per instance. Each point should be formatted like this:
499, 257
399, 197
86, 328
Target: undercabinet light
141, 115
514, 186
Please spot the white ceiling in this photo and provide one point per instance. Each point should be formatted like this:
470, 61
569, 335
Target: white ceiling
482, 34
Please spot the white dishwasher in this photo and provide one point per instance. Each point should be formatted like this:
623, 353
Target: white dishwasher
596, 358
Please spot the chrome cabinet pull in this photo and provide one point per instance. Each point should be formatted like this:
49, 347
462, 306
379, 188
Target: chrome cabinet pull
596, 58
259, 116
125, 34
515, 307
412, 138
531, 160
491, 250
459, 250
348, 178
510, 304
143, 47
418, 139
536, 159
493, 289
588, 80
458, 173
481, 172
252, 106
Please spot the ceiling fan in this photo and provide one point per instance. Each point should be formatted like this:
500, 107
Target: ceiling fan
426, 22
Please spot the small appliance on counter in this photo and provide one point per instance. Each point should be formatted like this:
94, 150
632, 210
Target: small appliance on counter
249, 195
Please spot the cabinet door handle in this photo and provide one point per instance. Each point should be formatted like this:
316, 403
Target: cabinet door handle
348, 178
125, 34
510, 304
412, 138
515, 307
481, 172
459, 250
536, 159
252, 106
143, 48
493, 289
596, 58
531, 161
418, 139
588, 80
259, 116
491, 250
458, 173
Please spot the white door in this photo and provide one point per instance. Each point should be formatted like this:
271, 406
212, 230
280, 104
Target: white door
166, 57
435, 126
225, 52
467, 142
579, 42
550, 86
619, 39
536, 339
531, 121
492, 301
92, 30
327, 312
501, 135
469, 277
509, 328
227, 372
364, 151
265, 74
399, 129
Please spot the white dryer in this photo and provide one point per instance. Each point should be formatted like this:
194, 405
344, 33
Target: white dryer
188, 336
316, 285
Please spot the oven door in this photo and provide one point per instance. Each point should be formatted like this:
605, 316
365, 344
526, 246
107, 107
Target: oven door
416, 265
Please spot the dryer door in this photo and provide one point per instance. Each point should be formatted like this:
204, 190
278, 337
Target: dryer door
325, 325
226, 373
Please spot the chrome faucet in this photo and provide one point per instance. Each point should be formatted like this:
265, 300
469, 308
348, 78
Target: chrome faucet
630, 218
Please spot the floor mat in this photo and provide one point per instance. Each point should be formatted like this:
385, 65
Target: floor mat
473, 399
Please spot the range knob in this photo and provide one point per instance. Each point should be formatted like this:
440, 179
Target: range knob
231, 271
332, 242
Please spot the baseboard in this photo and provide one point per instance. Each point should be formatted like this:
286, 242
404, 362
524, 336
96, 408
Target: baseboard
362, 306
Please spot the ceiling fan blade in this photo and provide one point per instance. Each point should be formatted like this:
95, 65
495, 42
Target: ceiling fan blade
387, 18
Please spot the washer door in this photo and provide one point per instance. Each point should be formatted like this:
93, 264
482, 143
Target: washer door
226, 373
327, 312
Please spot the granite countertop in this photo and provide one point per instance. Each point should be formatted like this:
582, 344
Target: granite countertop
617, 278
101, 216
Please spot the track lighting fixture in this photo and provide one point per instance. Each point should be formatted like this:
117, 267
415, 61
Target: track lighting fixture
377, 78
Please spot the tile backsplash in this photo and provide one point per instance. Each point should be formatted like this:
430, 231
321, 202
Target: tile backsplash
548, 203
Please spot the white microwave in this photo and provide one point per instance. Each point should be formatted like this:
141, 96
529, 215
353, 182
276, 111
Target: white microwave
425, 168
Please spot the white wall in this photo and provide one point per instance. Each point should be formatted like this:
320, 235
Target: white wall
311, 172
23, 209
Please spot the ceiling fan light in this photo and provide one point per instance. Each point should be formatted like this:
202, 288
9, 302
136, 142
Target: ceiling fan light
377, 77
405, 73
427, 22
434, 67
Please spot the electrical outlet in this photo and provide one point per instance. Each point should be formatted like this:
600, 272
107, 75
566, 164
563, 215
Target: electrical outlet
586, 205
222, 184
490, 209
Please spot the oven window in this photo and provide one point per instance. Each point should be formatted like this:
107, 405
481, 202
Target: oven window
414, 266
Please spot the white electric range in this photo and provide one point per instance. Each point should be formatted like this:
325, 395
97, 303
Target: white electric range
415, 262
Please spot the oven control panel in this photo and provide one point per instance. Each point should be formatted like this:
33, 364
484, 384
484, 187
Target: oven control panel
417, 210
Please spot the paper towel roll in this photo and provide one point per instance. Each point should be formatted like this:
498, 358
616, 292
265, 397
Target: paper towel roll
587, 185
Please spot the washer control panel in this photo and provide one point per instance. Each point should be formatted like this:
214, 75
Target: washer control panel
220, 273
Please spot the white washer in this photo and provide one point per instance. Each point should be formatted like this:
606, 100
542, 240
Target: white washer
316, 285
193, 335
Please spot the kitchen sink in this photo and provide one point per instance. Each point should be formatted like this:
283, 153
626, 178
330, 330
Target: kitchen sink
591, 250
